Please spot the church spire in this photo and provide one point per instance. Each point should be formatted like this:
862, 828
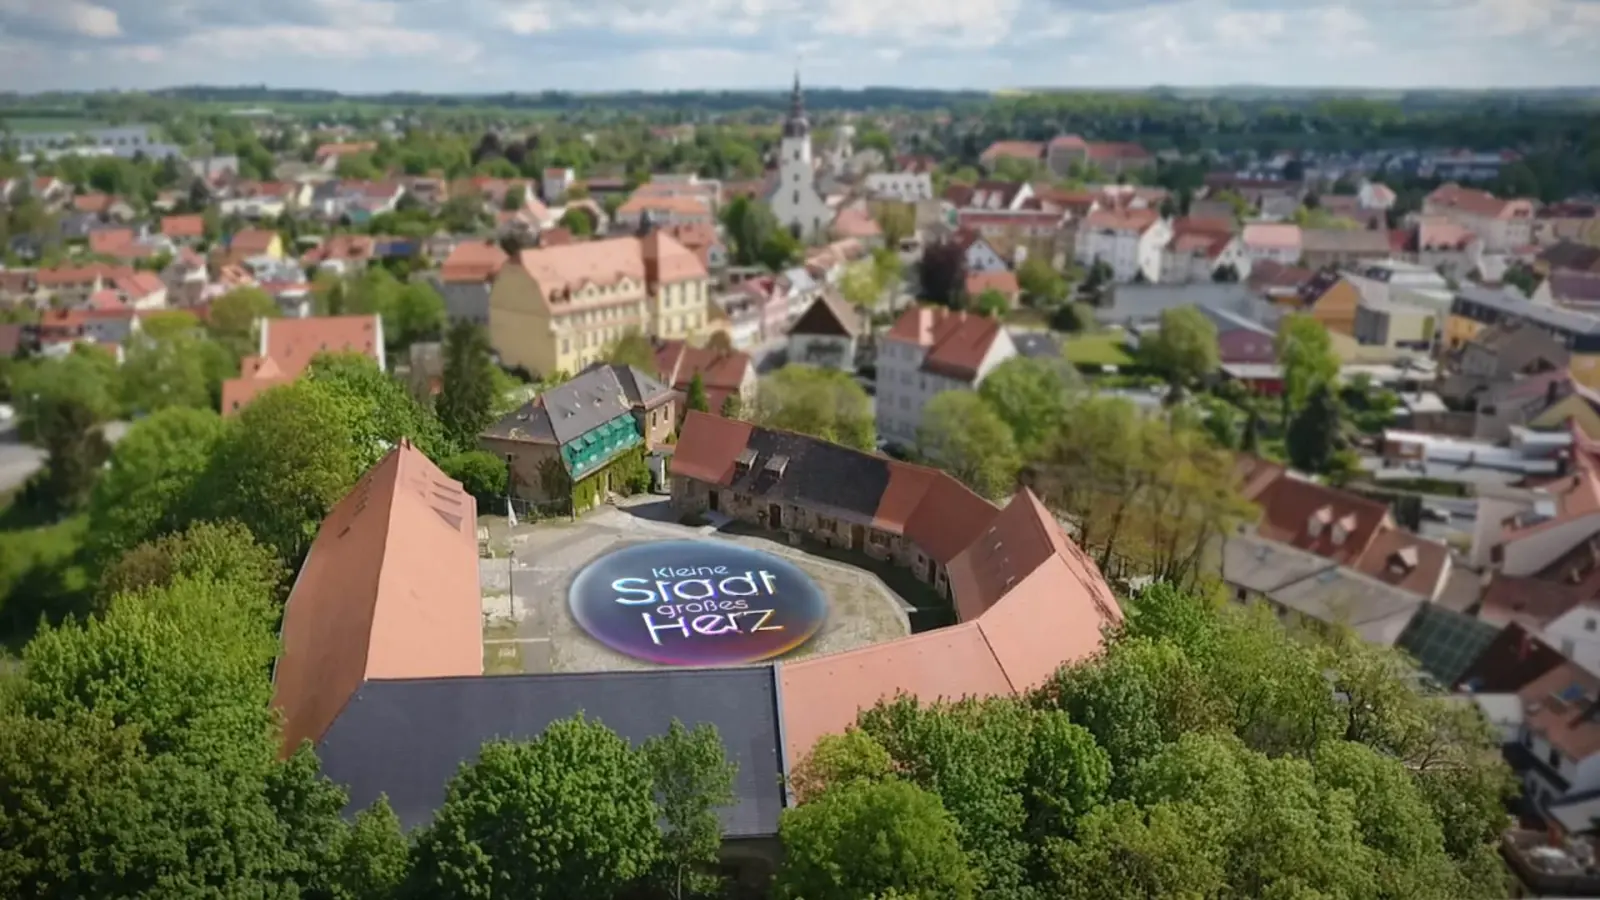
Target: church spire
796, 125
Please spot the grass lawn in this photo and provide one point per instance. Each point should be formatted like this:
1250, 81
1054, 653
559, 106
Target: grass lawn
1099, 349
47, 124
40, 572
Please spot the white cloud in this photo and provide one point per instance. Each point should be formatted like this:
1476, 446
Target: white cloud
355, 43
72, 16
1248, 30
526, 18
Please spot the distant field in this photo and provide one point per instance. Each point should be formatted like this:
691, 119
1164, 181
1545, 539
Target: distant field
45, 124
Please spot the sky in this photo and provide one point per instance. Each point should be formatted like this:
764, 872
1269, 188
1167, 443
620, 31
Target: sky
469, 46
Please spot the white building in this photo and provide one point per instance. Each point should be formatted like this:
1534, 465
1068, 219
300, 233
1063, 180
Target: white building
555, 184
1501, 224
930, 350
795, 200
907, 187
826, 335
1129, 241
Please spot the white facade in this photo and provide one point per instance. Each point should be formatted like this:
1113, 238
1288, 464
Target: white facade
1129, 252
795, 200
1188, 266
907, 187
828, 351
904, 389
982, 258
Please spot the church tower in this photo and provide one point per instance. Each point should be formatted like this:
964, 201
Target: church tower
794, 199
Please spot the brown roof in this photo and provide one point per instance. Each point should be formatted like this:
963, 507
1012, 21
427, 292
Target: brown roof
290, 346
666, 260
1560, 706
183, 226
251, 240
1137, 220
1405, 560
1255, 475
1513, 659
1288, 506
111, 241
327, 150
1003, 281
571, 267
1013, 150
1479, 203
1269, 275
721, 371
93, 203
1117, 150
472, 261
707, 451
672, 204
957, 342
388, 590
856, 223
829, 315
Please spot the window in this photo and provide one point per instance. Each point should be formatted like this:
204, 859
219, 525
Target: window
1588, 624
1567, 647
797, 198
1555, 759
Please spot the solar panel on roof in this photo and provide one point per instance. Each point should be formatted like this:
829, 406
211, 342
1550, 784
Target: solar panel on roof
1572, 693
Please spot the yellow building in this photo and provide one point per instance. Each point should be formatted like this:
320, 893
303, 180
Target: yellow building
1459, 330
556, 309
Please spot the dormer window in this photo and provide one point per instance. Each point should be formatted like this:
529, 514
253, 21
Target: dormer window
1318, 521
1403, 562
1343, 528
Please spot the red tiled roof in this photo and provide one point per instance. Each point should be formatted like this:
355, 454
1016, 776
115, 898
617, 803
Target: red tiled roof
1027, 150
112, 241
1479, 203
327, 150
183, 226
472, 261
388, 590
1289, 505
291, 344
1003, 281
251, 241
957, 342
1136, 220
1559, 706
666, 260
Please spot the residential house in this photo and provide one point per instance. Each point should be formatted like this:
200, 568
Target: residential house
1276, 281
1275, 242
1504, 407
576, 432
723, 373
556, 309
108, 207
1332, 300
1129, 241
186, 277
1003, 283
1577, 290
1241, 339
1070, 156
903, 187
556, 183
1568, 256
287, 347
1015, 235
1502, 224
59, 330
928, 351
1476, 308
124, 244
1199, 248
328, 155
185, 230
703, 241
263, 200
253, 242
1395, 324
828, 334
1348, 208
663, 210
67, 286
1576, 222
1560, 736
828, 263
1138, 307
770, 298
1308, 589
1323, 247
1501, 354
1375, 195
798, 289
18, 287
465, 278
1022, 151
738, 316
1545, 530
679, 285
978, 254
856, 223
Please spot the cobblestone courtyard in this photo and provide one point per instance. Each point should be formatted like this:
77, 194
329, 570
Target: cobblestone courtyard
527, 626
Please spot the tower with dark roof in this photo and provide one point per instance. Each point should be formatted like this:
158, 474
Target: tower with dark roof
794, 198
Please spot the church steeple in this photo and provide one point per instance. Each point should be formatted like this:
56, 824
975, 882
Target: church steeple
796, 125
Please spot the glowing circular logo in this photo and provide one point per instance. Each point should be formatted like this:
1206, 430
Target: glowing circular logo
697, 603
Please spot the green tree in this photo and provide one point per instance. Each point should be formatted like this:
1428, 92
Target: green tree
231, 318
823, 403
481, 473
963, 435
167, 323
632, 349
897, 221
569, 814
418, 314
697, 395
182, 369
292, 454
866, 839
86, 378
371, 860
991, 303
223, 552
516, 197
1313, 434
860, 285
1305, 351
75, 449
1125, 850
890, 270
1184, 347
1031, 396
1041, 284
386, 410
149, 487
731, 407
579, 221
1250, 438
467, 397
693, 779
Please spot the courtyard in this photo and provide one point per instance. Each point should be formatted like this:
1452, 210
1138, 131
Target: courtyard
528, 627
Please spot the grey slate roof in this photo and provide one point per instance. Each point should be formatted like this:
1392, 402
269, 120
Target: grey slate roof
464, 300
1132, 304
407, 738
565, 413
1318, 588
639, 388
1511, 303
1037, 344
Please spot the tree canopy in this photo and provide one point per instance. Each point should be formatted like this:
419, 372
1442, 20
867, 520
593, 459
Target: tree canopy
824, 403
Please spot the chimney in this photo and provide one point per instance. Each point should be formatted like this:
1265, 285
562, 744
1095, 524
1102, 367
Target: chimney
1524, 647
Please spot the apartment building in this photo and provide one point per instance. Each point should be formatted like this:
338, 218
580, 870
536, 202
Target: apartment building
556, 309
1130, 241
1502, 224
927, 351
